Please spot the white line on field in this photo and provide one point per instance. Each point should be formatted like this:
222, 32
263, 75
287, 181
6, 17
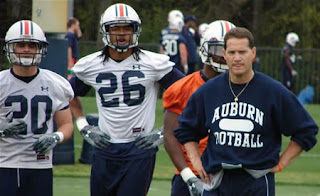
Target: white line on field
310, 155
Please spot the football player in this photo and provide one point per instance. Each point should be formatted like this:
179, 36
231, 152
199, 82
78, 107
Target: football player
174, 45
175, 99
288, 61
172, 15
174, 23
126, 80
191, 35
30, 100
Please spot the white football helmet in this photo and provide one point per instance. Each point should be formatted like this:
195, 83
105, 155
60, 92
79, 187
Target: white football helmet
117, 15
212, 43
202, 28
25, 31
292, 39
174, 14
177, 23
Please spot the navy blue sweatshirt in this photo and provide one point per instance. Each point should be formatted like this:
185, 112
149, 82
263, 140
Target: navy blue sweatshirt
247, 132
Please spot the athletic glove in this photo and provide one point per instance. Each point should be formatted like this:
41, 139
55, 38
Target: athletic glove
294, 73
12, 129
195, 186
47, 142
95, 137
151, 140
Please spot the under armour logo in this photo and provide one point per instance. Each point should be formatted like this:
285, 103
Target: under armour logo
44, 88
136, 67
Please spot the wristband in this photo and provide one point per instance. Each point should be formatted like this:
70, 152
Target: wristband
2, 133
279, 167
81, 122
60, 135
186, 174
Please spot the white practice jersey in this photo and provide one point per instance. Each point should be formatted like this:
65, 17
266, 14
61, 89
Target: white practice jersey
35, 103
126, 91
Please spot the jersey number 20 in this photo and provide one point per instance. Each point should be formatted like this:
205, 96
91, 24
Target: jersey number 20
34, 109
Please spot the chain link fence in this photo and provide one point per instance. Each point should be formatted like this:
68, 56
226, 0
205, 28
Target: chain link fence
307, 63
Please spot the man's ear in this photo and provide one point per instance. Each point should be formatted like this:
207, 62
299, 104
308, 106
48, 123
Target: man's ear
254, 52
224, 53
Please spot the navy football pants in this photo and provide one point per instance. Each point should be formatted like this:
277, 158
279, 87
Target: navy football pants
237, 182
179, 187
25, 182
121, 177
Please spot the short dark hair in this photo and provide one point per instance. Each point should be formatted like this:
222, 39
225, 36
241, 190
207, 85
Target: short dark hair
239, 32
71, 22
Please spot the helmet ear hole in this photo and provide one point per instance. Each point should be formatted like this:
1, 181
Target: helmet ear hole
212, 44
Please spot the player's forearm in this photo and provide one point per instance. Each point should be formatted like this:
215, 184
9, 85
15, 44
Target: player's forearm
70, 61
67, 130
77, 113
171, 143
175, 152
76, 108
161, 51
79, 32
183, 54
193, 153
192, 149
288, 63
64, 123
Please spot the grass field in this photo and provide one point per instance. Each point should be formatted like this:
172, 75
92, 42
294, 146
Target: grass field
300, 178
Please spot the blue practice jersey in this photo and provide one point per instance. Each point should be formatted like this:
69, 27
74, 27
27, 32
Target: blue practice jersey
170, 42
191, 46
246, 133
165, 31
292, 58
73, 43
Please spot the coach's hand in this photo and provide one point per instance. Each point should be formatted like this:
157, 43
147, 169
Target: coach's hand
95, 137
47, 142
151, 140
12, 129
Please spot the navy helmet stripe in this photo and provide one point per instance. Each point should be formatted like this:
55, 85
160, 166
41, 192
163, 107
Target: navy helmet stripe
127, 11
115, 7
222, 32
31, 24
21, 27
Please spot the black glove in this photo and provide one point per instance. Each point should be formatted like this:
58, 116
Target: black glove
151, 140
195, 186
12, 129
95, 137
46, 143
